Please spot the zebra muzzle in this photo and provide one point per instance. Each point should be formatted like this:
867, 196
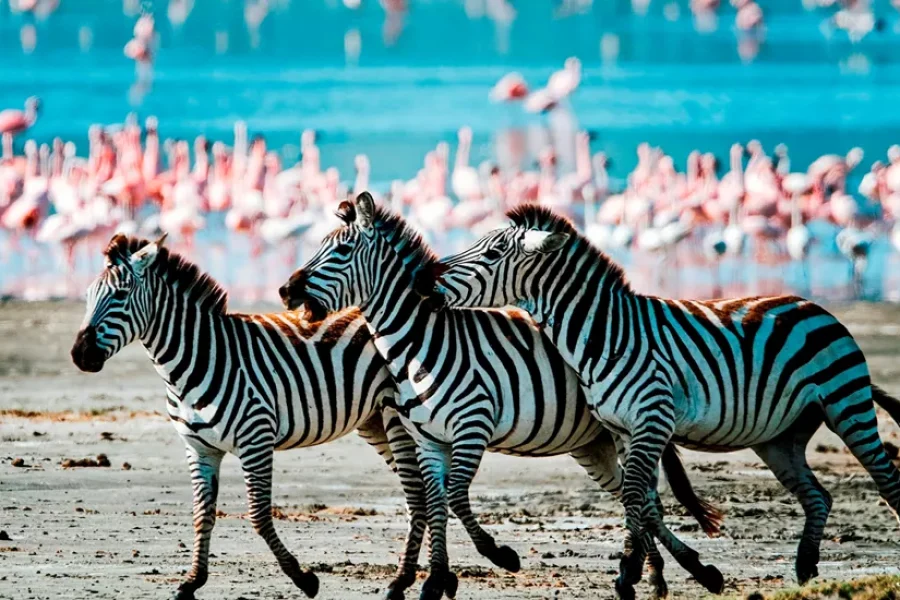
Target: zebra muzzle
86, 355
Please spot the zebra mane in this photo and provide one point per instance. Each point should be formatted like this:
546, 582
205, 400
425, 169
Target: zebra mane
175, 270
535, 216
417, 255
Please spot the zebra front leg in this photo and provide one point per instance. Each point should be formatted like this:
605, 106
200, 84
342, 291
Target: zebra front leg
434, 462
468, 449
600, 460
205, 480
257, 466
649, 437
388, 436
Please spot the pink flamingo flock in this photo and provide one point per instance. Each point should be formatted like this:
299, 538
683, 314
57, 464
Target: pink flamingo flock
132, 181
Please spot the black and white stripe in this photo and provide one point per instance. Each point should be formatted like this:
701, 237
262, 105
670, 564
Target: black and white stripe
719, 375
469, 380
247, 385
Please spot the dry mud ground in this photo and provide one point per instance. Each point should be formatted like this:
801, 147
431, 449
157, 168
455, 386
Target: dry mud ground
111, 532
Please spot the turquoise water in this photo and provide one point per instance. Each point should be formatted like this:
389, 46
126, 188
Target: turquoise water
667, 84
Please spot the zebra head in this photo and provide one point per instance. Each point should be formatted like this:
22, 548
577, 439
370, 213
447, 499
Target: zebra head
500, 269
119, 303
337, 276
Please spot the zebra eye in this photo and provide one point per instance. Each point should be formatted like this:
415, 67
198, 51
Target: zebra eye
343, 248
492, 254
120, 294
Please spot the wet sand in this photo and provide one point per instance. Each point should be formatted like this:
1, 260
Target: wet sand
103, 532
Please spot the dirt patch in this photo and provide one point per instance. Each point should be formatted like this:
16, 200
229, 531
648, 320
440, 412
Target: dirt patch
78, 533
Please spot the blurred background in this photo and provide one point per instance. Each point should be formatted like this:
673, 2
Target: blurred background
713, 148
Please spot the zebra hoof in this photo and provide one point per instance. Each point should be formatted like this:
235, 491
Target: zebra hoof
398, 587
660, 587
451, 585
506, 558
625, 591
308, 582
433, 588
394, 594
711, 578
806, 570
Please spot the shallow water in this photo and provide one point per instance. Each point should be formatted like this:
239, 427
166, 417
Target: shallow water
667, 84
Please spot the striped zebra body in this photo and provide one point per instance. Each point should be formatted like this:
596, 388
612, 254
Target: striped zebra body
469, 381
247, 385
720, 375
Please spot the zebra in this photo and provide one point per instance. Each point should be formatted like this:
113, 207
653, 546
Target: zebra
469, 381
247, 385
716, 375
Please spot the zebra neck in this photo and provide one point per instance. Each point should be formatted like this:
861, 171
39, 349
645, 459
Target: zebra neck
179, 339
590, 318
398, 318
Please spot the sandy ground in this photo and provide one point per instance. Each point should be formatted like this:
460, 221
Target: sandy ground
112, 532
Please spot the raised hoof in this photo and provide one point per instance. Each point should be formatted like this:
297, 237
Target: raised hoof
506, 558
625, 591
660, 587
433, 588
308, 582
711, 578
451, 584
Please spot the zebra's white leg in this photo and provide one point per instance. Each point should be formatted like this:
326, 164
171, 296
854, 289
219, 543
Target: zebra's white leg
257, 466
468, 450
205, 480
386, 434
434, 462
786, 458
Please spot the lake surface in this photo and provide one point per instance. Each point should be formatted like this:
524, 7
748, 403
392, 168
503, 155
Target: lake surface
646, 78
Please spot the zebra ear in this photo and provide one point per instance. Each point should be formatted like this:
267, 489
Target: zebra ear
543, 241
365, 205
143, 258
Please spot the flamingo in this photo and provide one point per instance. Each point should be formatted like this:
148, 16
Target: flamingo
565, 81
511, 88
464, 181
855, 245
13, 122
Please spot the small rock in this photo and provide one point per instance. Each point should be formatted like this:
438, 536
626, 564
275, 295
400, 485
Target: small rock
126, 466
18, 462
4, 537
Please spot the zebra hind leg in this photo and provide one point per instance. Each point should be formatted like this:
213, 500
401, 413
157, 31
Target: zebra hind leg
786, 457
257, 466
852, 417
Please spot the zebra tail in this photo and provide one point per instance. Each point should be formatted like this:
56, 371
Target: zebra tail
708, 515
887, 402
